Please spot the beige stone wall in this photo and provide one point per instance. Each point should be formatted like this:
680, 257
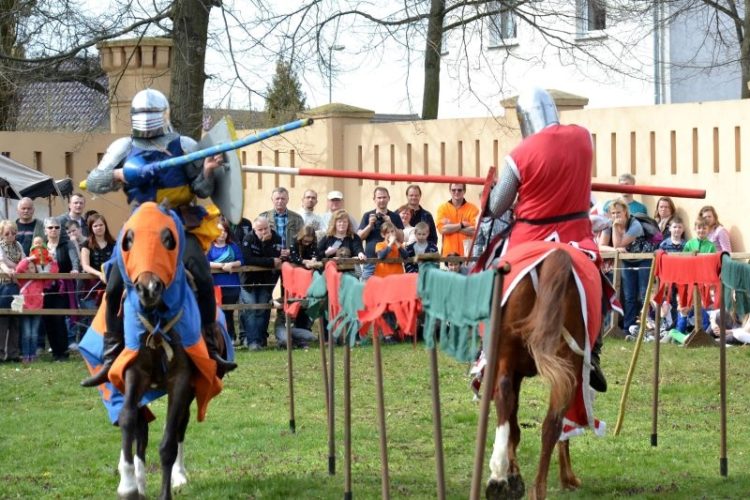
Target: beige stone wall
686, 145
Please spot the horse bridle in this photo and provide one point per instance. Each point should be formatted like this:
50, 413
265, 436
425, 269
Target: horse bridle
155, 337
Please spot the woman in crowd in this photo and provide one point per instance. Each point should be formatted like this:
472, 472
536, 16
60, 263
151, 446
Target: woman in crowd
626, 235
305, 251
95, 251
56, 295
11, 253
225, 256
663, 214
717, 234
340, 234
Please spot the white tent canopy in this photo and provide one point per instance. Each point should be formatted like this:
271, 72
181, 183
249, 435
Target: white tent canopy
18, 181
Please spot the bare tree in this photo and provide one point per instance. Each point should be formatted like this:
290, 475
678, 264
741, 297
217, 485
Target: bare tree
419, 28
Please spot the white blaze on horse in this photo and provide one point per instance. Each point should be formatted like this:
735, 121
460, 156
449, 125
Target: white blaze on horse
550, 318
164, 350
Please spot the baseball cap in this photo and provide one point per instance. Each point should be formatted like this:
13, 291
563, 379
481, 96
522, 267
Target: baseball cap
335, 195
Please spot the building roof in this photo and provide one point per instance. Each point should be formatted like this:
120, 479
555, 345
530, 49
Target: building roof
62, 107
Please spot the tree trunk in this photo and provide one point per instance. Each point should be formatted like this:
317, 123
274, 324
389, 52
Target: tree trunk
745, 53
433, 48
190, 33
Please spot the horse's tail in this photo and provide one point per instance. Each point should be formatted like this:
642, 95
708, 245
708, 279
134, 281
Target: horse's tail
546, 321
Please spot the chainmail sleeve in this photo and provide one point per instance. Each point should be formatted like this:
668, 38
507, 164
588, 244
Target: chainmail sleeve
101, 180
200, 185
504, 192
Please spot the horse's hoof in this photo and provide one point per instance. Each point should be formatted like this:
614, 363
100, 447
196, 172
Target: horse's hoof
517, 488
513, 488
178, 480
130, 495
571, 483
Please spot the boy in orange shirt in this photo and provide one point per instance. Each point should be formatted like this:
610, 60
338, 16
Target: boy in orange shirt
389, 248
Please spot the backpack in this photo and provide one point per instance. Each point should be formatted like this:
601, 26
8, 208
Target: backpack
651, 231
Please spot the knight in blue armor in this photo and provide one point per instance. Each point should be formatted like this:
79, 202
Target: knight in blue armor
130, 163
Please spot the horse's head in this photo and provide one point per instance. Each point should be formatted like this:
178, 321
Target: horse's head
150, 251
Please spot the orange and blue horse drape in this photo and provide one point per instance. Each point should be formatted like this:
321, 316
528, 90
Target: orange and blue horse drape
148, 254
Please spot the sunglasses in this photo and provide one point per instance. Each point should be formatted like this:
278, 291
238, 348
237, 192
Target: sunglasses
53, 227
457, 190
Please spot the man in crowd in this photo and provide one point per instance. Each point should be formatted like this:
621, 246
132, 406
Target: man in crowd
76, 206
262, 247
369, 226
419, 214
283, 221
634, 207
456, 220
310, 218
335, 202
28, 226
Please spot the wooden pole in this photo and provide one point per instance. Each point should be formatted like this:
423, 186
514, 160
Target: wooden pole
347, 422
324, 372
288, 322
657, 342
490, 374
634, 358
437, 425
723, 463
331, 410
384, 482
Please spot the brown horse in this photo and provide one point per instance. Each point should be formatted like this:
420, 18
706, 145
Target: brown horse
534, 326
166, 351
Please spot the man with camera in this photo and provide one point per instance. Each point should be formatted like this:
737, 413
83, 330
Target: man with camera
369, 227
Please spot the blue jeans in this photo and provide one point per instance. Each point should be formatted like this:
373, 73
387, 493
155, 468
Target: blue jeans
255, 321
300, 336
634, 285
7, 291
30, 327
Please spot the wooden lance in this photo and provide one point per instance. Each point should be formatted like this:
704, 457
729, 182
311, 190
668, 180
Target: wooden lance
459, 179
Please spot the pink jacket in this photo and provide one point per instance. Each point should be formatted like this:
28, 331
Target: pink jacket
33, 290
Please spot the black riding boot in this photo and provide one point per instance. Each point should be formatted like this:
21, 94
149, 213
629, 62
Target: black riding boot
222, 365
597, 381
113, 345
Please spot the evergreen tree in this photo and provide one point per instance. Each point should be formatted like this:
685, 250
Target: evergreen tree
284, 97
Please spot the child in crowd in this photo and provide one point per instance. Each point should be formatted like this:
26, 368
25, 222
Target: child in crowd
405, 212
33, 299
676, 240
455, 267
305, 251
420, 246
389, 248
700, 244
675, 243
41, 253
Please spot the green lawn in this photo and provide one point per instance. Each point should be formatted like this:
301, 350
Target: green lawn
56, 442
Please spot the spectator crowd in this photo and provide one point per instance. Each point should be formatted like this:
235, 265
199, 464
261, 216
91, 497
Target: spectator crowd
81, 242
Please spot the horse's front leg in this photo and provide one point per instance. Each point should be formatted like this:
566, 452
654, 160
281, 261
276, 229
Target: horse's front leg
505, 480
179, 474
180, 395
141, 444
568, 479
129, 487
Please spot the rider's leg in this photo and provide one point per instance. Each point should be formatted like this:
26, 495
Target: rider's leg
195, 261
597, 381
114, 338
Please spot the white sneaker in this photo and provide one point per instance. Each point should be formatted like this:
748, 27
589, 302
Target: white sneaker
633, 329
73, 347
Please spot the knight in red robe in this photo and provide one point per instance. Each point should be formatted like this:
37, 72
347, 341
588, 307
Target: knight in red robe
549, 177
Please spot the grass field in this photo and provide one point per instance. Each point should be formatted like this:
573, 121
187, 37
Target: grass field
55, 441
